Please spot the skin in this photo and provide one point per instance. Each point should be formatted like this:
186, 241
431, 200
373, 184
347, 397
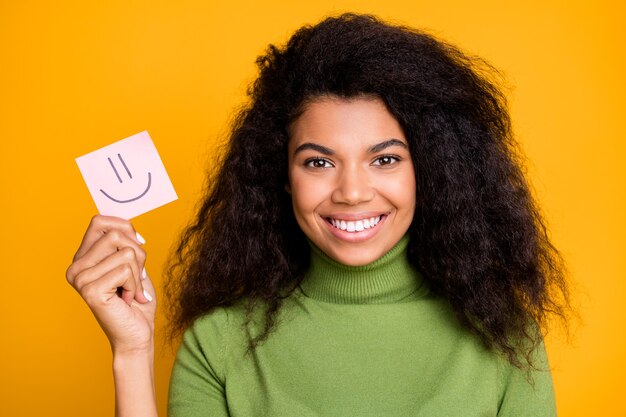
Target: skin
111, 257
348, 159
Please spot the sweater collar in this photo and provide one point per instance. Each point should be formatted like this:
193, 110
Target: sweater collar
387, 280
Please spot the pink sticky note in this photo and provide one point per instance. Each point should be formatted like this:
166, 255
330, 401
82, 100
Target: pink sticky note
127, 178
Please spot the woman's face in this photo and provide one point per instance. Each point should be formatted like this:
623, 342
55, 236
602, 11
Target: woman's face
351, 178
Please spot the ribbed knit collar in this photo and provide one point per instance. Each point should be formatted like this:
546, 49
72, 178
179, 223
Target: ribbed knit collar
387, 280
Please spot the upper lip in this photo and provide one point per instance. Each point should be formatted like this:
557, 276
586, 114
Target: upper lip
355, 216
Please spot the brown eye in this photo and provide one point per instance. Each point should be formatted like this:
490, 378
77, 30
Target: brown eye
386, 160
318, 163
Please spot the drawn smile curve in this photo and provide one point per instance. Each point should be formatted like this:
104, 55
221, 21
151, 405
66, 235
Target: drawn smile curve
132, 199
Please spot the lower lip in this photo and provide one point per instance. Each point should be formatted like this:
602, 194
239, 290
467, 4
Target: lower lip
355, 237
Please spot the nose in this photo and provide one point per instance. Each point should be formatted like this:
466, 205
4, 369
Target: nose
353, 186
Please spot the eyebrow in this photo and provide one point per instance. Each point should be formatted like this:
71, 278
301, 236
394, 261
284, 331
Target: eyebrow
321, 149
373, 149
386, 144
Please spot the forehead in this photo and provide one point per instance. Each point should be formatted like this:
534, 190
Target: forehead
344, 122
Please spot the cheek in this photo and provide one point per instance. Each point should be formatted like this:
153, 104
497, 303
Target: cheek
400, 191
409, 202
306, 195
407, 193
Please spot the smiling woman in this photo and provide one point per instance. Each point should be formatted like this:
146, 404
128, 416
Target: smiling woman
369, 247
351, 178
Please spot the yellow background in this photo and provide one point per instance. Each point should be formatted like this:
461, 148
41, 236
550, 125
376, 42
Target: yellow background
75, 76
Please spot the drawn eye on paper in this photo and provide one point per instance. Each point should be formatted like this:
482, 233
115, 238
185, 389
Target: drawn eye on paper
127, 178
130, 177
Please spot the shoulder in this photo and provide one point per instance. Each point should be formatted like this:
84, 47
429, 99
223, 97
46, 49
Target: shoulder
198, 379
216, 326
528, 391
215, 323
210, 340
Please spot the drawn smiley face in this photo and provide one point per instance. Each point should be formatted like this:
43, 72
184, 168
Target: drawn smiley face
116, 177
119, 178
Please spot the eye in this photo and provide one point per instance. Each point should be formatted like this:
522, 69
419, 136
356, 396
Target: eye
386, 160
318, 163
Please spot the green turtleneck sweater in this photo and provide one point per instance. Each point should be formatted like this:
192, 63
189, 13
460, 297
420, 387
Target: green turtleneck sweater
352, 341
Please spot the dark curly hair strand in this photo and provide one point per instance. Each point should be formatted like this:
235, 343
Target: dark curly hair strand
477, 236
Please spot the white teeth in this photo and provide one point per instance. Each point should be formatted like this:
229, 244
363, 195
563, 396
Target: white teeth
356, 226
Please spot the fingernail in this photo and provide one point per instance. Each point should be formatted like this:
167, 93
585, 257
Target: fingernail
147, 295
144, 274
140, 238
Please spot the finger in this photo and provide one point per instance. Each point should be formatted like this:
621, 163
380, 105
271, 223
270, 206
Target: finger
121, 318
122, 283
100, 226
149, 292
124, 257
123, 261
113, 242
104, 290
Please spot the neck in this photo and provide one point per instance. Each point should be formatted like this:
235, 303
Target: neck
389, 279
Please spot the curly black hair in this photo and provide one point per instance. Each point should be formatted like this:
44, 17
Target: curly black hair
477, 235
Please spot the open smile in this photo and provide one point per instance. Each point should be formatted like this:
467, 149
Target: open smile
355, 228
352, 226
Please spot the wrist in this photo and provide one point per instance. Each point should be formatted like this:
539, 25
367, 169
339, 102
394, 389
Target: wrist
124, 356
135, 351
133, 360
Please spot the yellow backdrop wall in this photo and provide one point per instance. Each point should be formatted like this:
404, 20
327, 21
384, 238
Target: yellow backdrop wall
77, 75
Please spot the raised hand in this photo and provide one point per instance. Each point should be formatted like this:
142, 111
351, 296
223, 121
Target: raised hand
108, 272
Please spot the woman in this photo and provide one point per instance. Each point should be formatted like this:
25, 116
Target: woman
368, 247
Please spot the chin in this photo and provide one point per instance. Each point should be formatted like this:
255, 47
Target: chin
354, 256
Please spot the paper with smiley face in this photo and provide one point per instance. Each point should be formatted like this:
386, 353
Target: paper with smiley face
127, 178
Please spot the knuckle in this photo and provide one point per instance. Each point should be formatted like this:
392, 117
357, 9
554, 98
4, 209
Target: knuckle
126, 270
127, 253
114, 235
80, 281
141, 255
95, 219
127, 226
70, 274
90, 294
96, 222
